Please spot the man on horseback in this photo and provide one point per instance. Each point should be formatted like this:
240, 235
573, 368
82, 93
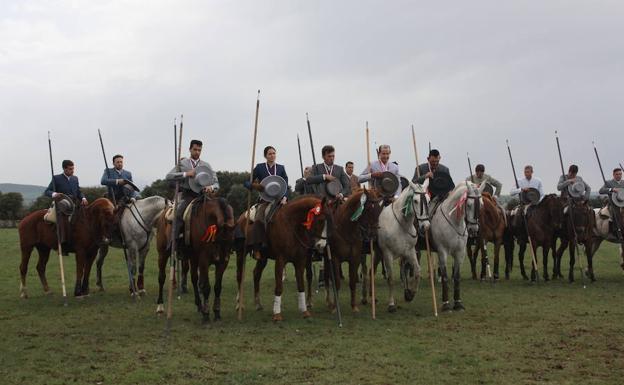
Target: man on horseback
119, 182
64, 189
572, 184
302, 187
353, 179
480, 176
273, 180
614, 189
328, 179
196, 177
379, 170
530, 191
440, 181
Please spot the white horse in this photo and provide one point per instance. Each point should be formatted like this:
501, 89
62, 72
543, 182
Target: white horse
136, 224
602, 233
456, 218
397, 237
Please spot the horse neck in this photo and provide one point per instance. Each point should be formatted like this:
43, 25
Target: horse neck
210, 209
449, 204
343, 215
150, 209
490, 214
401, 202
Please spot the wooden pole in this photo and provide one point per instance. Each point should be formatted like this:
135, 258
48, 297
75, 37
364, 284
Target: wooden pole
371, 245
253, 163
429, 260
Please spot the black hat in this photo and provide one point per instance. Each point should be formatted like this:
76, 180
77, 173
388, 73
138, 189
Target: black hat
387, 184
530, 197
618, 198
441, 184
333, 188
488, 188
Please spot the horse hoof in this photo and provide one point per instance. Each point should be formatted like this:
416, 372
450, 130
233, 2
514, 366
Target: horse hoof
184, 289
160, 309
392, 308
277, 317
259, 307
546, 278
205, 318
525, 277
47, 292
446, 307
306, 314
142, 292
355, 309
217, 315
459, 306
364, 301
24, 295
409, 295
101, 288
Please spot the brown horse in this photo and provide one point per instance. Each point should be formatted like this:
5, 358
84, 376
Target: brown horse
578, 228
90, 227
347, 237
492, 224
542, 221
297, 229
211, 240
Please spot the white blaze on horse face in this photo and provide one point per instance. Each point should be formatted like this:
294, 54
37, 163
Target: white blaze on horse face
302, 301
277, 304
322, 243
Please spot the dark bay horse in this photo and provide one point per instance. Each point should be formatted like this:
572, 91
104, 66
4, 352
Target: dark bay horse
296, 230
542, 221
89, 227
578, 224
492, 223
211, 239
354, 222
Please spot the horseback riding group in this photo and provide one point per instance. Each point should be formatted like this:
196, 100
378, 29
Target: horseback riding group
331, 220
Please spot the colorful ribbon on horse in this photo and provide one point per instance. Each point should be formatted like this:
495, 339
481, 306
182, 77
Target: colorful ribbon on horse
459, 206
315, 211
210, 235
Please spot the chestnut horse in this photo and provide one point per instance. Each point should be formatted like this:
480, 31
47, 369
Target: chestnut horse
578, 228
492, 224
542, 221
296, 230
211, 240
90, 227
354, 222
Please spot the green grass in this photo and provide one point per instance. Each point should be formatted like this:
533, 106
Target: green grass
511, 332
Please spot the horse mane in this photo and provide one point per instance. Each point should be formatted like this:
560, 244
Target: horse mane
296, 209
457, 192
490, 211
101, 204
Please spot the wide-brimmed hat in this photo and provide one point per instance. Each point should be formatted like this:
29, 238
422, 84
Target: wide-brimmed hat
441, 184
131, 186
618, 198
274, 188
203, 177
387, 184
577, 189
64, 204
530, 197
488, 188
404, 183
333, 188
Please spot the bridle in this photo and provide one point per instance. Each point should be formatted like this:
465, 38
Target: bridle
421, 216
467, 220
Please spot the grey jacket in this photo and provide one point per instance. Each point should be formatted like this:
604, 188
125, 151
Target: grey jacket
424, 169
186, 165
610, 185
496, 184
317, 181
564, 182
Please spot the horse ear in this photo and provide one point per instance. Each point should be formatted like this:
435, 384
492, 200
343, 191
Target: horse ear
425, 185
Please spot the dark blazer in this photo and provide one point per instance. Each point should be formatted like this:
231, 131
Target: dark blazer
64, 185
302, 187
317, 182
424, 169
109, 178
260, 172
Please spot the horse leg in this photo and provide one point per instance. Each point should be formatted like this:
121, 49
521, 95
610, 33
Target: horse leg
80, 265
458, 305
140, 277
87, 273
484, 261
279, 289
301, 295
497, 248
473, 259
132, 269
194, 281
100, 262
219, 270
365, 279
204, 286
44, 255
353, 270
444, 278
240, 259
508, 245
545, 249
521, 250
26, 251
590, 260
257, 275
558, 257
162, 268
572, 252
309, 274
389, 278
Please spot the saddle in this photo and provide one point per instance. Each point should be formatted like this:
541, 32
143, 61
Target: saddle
605, 213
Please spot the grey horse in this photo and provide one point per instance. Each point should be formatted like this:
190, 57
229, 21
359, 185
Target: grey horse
136, 224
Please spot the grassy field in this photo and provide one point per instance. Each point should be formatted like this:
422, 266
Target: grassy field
511, 332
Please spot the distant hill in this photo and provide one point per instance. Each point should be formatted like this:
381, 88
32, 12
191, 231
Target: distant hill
29, 192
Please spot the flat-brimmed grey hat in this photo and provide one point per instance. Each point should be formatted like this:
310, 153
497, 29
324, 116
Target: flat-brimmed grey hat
333, 188
618, 198
203, 177
577, 189
274, 188
131, 186
530, 197
388, 184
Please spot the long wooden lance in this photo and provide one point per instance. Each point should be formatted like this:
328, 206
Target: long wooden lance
618, 225
571, 214
526, 225
111, 193
429, 259
253, 163
371, 245
174, 233
178, 262
311, 141
58, 232
481, 240
300, 158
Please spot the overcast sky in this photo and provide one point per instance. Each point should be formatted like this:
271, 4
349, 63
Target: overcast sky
467, 74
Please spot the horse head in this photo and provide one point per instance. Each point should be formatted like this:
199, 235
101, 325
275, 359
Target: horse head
418, 204
364, 208
318, 222
101, 216
473, 208
554, 209
582, 217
